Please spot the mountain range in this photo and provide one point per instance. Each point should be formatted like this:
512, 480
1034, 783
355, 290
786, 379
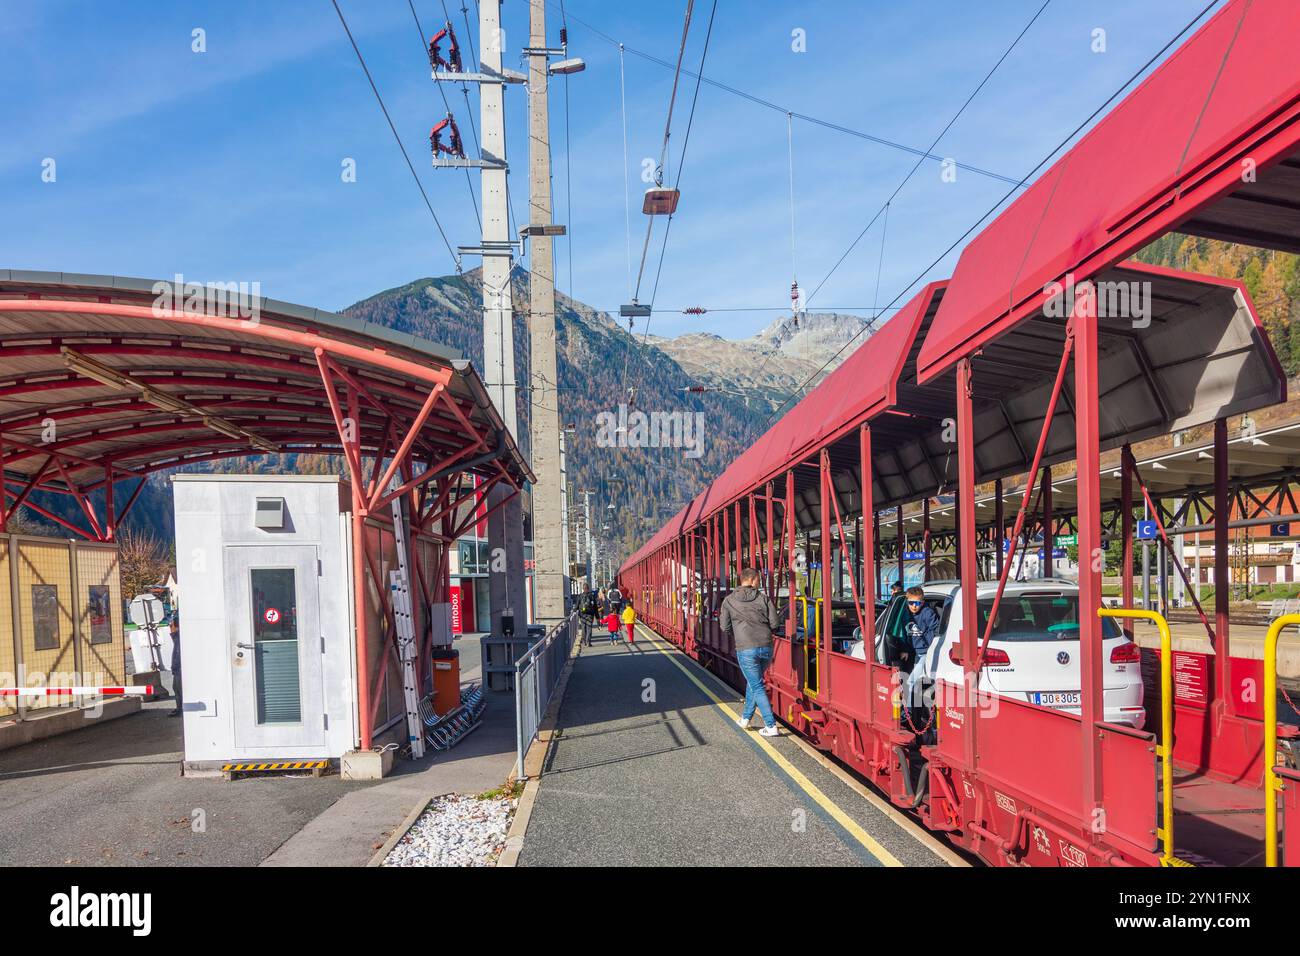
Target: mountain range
603, 365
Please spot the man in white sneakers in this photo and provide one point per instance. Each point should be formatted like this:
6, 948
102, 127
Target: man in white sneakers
750, 618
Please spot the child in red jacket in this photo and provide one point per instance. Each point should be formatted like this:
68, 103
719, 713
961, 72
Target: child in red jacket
612, 623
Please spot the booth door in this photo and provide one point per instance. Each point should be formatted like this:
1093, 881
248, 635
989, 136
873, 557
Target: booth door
276, 646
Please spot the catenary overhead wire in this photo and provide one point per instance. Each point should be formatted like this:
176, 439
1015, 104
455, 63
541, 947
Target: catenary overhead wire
627, 202
384, 109
663, 150
681, 160
917, 165
681, 168
768, 104
997, 205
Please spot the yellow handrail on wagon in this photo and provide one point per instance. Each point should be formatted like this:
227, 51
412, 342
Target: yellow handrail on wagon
1272, 783
1165, 749
812, 638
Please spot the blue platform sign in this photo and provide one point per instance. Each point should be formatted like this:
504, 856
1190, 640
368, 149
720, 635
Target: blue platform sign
1280, 530
1146, 531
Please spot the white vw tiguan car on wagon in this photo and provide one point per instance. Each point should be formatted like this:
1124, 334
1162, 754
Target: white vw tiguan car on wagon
1033, 652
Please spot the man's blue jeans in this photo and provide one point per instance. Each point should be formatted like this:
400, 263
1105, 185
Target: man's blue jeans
753, 661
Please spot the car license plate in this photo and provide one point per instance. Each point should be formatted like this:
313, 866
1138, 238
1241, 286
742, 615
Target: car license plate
1057, 698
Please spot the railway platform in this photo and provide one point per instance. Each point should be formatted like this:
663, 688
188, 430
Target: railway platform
648, 767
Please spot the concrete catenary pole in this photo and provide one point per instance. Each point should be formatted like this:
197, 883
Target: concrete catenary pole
544, 413
506, 585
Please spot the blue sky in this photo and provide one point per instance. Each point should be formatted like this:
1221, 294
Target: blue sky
225, 165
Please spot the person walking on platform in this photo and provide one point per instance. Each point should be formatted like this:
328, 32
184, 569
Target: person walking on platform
612, 624
749, 616
629, 621
176, 666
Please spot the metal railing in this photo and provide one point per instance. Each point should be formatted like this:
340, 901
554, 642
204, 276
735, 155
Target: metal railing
536, 674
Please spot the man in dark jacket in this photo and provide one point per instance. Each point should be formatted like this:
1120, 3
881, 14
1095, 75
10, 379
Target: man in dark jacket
922, 628
750, 618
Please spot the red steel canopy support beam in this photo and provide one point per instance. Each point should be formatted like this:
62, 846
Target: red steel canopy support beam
868, 543
792, 574
853, 584
1126, 532
925, 536
1222, 577
1169, 550
902, 543
86, 508
1049, 523
999, 528
968, 568
827, 502
771, 544
110, 507
1030, 481
875, 557
1087, 403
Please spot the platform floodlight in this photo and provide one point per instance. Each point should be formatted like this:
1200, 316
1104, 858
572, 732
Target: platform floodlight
543, 229
89, 368
567, 67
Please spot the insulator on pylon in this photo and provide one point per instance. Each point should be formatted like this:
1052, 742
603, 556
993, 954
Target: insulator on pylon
452, 64
453, 148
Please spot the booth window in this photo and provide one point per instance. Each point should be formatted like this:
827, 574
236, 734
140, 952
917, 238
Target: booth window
97, 614
45, 616
275, 639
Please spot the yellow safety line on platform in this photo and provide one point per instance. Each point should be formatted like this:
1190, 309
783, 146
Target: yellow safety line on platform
804, 784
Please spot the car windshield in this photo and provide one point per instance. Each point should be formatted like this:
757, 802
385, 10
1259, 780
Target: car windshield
1038, 617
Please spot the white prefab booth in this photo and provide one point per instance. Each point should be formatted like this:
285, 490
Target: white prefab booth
267, 647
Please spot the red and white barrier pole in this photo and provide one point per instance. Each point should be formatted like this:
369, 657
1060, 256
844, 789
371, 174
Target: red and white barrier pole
142, 691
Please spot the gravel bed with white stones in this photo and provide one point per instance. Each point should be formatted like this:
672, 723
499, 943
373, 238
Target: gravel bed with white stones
456, 830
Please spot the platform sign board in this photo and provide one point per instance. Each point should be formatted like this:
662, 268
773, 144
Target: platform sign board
457, 619
1281, 529
1065, 540
1191, 679
1146, 531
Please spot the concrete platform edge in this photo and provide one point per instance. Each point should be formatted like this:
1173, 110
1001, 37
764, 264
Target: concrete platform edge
398, 832
534, 760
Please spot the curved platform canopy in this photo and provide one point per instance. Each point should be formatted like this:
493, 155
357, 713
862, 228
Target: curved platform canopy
104, 378
1208, 145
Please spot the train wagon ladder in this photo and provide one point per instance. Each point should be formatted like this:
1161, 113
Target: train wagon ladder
399, 587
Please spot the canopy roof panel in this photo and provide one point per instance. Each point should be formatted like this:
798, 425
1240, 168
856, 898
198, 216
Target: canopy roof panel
1189, 349
101, 373
1206, 144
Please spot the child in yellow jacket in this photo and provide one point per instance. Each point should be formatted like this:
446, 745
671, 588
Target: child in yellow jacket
629, 618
